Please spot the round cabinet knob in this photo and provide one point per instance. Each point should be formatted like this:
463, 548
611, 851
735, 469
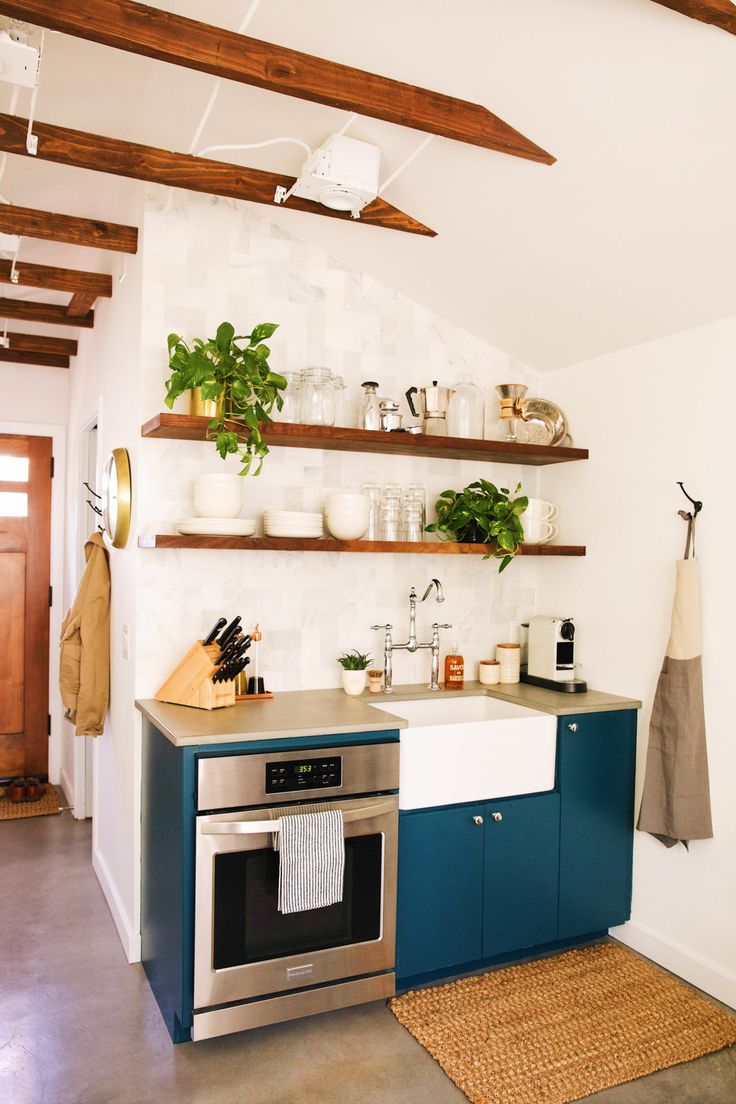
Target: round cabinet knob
497, 817
574, 726
477, 820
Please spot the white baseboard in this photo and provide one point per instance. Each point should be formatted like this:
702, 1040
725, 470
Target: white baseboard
66, 784
699, 971
130, 939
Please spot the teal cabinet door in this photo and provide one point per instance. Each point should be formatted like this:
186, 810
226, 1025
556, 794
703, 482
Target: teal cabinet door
596, 762
521, 865
440, 903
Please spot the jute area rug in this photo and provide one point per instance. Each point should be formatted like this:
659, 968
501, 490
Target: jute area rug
561, 1028
48, 804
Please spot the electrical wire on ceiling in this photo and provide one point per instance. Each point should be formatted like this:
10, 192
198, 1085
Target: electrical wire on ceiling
4, 159
213, 97
255, 145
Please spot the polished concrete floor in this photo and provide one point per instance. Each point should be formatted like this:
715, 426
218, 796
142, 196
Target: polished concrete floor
78, 1025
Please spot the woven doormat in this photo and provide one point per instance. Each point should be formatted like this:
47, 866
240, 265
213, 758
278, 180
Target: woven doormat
560, 1028
48, 804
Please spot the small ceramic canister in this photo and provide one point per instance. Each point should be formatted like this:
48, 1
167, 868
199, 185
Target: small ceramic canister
509, 659
375, 678
489, 671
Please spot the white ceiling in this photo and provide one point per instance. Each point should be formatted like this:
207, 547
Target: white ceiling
630, 236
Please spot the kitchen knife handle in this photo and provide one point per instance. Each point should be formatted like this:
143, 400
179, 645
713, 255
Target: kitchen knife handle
229, 632
210, 638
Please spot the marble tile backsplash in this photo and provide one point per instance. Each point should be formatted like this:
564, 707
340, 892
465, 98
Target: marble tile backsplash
206, 260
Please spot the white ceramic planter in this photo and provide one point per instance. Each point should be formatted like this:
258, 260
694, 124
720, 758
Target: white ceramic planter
353, 682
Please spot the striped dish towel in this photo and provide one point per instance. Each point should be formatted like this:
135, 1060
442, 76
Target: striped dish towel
311, 860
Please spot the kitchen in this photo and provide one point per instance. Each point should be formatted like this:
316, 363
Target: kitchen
374, 316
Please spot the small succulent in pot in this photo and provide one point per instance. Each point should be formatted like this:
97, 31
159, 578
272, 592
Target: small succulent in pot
355, 666
482, 514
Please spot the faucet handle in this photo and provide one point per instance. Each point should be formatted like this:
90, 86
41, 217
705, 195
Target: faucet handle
381, 626
436, 626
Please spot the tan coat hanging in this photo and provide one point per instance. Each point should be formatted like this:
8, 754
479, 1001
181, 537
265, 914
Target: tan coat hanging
84, 666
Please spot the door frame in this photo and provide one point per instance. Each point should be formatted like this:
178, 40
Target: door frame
57, 433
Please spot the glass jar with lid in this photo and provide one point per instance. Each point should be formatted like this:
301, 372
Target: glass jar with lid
466, 409
317, 401
339, 389
291, 410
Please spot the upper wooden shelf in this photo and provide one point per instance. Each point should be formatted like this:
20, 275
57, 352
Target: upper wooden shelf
306, 544
188, 427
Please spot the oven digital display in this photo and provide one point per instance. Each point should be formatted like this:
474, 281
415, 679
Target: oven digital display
304, 774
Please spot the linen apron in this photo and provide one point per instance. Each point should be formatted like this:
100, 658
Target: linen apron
675, 805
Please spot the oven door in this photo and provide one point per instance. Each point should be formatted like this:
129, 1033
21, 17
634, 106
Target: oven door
244, 947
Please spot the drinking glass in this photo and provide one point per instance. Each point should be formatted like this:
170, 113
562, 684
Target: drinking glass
374, 493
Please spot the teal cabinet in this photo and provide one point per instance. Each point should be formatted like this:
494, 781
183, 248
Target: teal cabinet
520, 873
440, 902
595, 766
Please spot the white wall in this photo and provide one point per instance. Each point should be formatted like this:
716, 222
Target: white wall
651, 415
208, 260
105, 385
33, 393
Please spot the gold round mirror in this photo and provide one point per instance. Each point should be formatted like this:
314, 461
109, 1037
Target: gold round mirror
116, 497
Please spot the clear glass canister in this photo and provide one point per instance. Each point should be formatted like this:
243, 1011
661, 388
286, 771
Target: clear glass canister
317, 404
465, 413
339, 388
291, 410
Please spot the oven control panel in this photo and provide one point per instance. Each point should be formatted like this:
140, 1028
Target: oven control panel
303, 774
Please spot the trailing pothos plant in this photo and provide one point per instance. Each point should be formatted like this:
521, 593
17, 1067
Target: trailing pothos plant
482, 514
238, 374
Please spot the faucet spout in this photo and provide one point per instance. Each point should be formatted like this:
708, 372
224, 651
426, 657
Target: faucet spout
440, 592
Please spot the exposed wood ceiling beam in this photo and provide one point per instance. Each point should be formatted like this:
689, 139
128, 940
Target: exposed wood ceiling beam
67, 228
56, 279
41, 343
166, 36
180, 170
48, 360
81, 304
51, 313
721, 13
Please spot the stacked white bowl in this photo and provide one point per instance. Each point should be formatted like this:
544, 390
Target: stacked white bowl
218, 495
347, 515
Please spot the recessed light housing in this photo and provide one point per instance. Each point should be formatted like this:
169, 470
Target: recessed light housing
342, 175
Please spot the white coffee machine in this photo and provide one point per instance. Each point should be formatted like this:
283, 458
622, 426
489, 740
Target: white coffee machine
551, 654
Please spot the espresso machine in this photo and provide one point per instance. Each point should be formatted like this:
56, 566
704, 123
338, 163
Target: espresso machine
551, 655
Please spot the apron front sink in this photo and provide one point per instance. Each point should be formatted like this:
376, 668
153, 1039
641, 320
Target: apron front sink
472, 749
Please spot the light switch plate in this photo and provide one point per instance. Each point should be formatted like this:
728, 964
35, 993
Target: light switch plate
126, 642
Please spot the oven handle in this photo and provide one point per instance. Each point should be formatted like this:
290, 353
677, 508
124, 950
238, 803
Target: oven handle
258, 827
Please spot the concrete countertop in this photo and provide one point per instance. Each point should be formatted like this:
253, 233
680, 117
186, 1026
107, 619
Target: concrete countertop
325, 712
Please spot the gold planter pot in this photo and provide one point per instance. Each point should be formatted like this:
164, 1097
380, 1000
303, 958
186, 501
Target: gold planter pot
205, 408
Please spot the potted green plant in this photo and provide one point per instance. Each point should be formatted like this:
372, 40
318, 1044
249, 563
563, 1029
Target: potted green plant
240, 376
482, 514
354, 672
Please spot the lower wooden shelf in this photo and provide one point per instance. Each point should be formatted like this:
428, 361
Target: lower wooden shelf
300, 544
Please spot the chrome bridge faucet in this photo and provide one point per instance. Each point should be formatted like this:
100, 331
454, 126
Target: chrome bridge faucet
412, 644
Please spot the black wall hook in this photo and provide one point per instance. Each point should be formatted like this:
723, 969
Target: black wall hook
697, 506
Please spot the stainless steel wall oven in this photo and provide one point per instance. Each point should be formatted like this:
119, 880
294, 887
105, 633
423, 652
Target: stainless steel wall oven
252, 964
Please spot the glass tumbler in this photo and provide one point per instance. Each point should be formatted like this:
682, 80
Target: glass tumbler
374, 493
317, 405
417, 492
390, 529
412, 520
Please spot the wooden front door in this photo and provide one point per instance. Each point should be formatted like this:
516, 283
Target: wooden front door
25, 567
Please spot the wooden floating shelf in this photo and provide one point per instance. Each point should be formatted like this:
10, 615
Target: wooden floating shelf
189, 427
304, 544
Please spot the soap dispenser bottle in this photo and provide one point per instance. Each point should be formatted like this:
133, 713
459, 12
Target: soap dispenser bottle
454, 670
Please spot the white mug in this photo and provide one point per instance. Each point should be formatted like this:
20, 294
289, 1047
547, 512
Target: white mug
539, 510
539, 532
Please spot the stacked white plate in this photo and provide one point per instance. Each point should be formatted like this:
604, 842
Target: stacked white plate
291, 523
217, 527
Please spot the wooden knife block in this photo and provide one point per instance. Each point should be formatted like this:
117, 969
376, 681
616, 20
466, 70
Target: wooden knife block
191, 682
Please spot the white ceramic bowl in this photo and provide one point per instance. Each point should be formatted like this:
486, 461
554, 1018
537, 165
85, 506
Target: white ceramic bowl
218, 507
347, 516
223, 481
346, 530
345, 500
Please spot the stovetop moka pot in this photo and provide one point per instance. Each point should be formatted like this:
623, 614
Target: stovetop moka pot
433, 403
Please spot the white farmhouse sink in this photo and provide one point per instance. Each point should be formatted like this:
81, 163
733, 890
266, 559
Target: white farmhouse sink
472, 749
